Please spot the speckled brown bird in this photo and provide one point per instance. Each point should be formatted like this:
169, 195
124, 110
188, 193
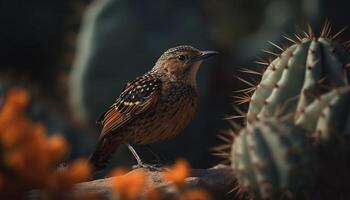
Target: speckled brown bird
154, 107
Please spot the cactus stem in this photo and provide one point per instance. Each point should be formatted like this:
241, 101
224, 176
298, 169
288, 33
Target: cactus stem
256, 165
337, 91
257, 119
265, 102
272, 67
312, 51
333, 50
317, 135
259, 103
251, 147
322, 115
291, 151
264, 182
285, 118
330, 106
314, 62
275, 45
305, 92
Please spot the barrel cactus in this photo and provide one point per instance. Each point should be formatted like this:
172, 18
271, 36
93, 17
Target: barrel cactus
309, 83
273, 159
299, 75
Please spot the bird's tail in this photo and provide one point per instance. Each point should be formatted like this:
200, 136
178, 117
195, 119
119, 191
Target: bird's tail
103, 153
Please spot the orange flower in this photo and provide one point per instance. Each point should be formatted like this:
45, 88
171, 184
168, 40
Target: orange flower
15, 160
64, 179
154, 194
79, 171
19, 98
29, 155
196, 194
12, 135
57, 147
119, 171
178, 172
15, 103
38, 133
131, 185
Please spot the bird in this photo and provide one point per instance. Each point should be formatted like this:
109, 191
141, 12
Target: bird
152, 108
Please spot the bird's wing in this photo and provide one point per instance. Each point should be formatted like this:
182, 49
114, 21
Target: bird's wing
137, 97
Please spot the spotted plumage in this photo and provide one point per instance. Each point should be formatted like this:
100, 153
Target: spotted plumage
137, 97
154, 107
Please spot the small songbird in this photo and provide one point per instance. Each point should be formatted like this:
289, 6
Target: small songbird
154, 107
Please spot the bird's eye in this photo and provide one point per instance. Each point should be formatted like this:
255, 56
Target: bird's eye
182, 57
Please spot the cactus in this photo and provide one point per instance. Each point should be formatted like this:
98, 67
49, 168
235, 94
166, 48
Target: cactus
300, 74
273, 159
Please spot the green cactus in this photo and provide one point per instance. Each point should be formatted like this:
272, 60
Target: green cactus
273, 159
300, 74
308, 85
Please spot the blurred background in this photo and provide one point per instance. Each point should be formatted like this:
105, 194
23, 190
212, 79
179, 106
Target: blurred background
75, 56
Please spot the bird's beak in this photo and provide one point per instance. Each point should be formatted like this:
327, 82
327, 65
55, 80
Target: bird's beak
204, 55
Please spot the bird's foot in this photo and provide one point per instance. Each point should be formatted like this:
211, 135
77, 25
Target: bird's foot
150, 167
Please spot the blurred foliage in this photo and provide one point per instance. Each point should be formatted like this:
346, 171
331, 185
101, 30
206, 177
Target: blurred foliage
29, 158
134, 185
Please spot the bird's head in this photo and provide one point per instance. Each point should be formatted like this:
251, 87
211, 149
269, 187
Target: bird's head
182, 63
